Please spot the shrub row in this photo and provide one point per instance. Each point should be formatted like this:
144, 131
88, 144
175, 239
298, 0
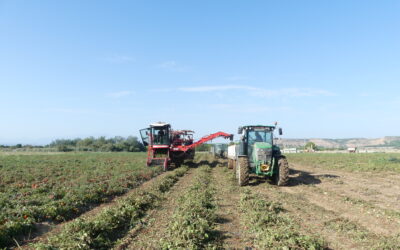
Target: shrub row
269, 228
193, 223
101, 230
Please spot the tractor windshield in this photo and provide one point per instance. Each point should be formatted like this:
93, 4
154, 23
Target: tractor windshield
161, 135
259, 136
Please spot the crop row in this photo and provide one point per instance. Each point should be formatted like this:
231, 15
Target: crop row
376, 162
56, 188
270, 229
193, 223
103, 229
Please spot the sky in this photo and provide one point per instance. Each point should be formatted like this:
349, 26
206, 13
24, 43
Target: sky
321, 69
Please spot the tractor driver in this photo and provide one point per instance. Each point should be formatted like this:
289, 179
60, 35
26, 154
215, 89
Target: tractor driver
161, 134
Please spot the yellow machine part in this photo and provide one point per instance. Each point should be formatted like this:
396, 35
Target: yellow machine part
265, 167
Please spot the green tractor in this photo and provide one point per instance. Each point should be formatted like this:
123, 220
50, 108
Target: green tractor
256, 154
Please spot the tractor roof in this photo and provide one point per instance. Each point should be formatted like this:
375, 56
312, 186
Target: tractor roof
258, 126
160, 124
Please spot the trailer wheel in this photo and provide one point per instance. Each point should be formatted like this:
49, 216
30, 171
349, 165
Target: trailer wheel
230, 163
242, 169
234, 162
281, 177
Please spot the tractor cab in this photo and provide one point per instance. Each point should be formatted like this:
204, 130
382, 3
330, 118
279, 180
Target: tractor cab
156, 134
257, 144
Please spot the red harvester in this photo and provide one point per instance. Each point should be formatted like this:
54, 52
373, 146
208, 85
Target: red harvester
167, 146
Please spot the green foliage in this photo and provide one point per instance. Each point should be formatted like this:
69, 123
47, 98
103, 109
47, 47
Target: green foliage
101, 144
204, 147
193, 222
368, 162
271, 229
310, 146
58, 187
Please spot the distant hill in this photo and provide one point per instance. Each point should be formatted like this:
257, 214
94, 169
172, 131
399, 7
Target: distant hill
387, 141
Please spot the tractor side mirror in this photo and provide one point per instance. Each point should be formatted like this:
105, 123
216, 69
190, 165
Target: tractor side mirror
240, 129
280, 131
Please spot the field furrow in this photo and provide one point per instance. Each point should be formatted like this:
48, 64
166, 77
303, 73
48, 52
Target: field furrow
232, 232
148, 233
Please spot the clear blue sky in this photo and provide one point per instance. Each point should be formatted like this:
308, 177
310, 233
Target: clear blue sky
79, 68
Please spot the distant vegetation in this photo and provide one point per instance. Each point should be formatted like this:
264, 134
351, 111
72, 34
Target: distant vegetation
100, 144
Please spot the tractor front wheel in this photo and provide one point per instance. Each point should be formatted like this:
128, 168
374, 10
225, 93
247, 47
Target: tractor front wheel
242, 170
281, 177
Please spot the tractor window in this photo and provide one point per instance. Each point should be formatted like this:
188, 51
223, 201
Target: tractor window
260, 136
161, 136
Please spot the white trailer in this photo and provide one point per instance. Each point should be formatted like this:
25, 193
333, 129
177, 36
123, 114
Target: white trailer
233, 151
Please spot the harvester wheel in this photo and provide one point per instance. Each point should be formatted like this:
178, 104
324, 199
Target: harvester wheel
243, 171
281, 178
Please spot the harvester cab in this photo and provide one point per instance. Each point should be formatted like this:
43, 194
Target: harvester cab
256, 153
157, 136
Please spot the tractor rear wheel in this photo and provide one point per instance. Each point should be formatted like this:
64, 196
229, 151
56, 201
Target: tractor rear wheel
242, 169
281, 178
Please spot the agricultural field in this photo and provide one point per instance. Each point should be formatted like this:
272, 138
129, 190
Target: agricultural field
40, 190
331, 202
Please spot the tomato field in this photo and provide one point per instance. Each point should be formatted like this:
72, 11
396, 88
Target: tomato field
57, 187
114, 201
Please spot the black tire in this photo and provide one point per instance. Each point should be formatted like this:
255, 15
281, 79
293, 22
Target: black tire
178, 164
243, 171
281, 178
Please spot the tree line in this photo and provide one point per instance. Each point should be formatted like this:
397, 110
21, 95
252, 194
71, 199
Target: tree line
100, 144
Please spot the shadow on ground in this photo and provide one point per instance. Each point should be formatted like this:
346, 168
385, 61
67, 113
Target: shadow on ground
299, 177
